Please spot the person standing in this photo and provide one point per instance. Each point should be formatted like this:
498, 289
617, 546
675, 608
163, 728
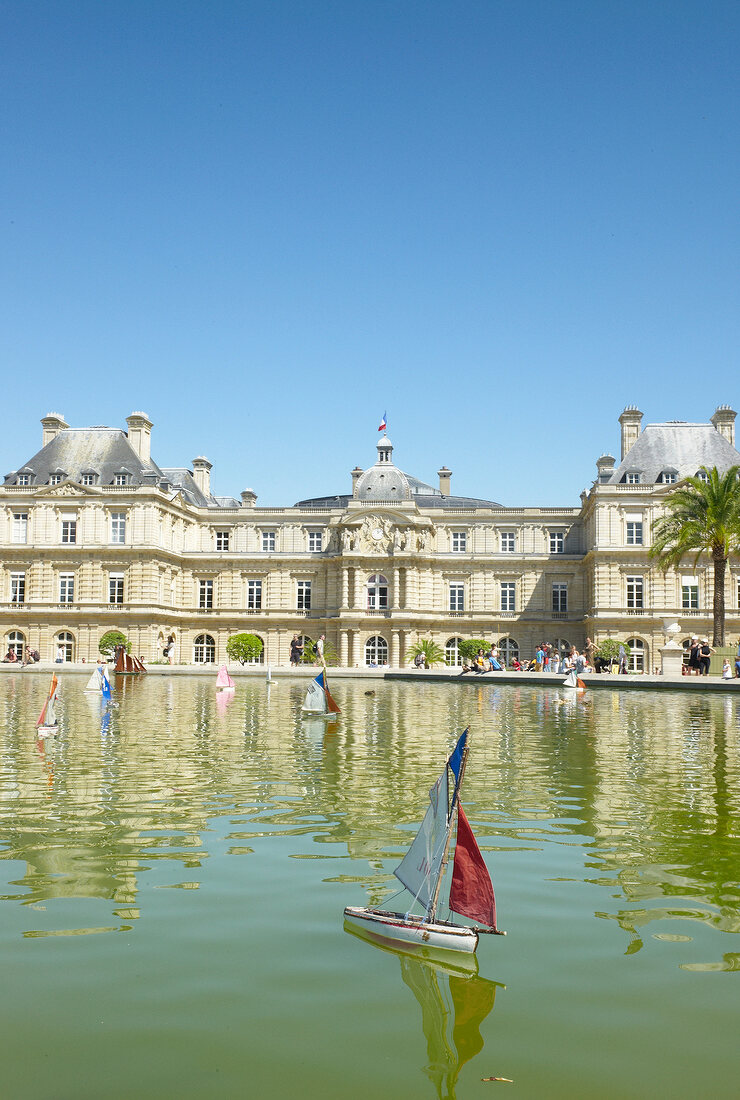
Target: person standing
694, 655
296, 650
59, 659
320, 651
737, 659
705, 652
590, 651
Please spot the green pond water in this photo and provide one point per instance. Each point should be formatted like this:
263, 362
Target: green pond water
173, 877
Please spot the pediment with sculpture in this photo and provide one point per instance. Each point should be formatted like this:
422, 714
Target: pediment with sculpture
377, 532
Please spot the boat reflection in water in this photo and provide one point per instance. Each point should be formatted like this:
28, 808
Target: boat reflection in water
454, 1001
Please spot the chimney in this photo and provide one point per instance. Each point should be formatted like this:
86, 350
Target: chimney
140, 435
631, 421
52, 424
202, 474
249, 498
444, 476
724, 422
605, 467
356, 475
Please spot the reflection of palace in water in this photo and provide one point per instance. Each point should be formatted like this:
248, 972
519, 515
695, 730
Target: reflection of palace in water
648, 784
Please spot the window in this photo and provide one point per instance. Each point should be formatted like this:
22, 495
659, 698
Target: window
377, 592
667, 477
120, 479
268, 541
222, 540
376, 651
205, 594
635, 593
115, 588
457, 597
16, 642
508, 595
632, 478
459, 541
315, 541
689, 593
638, 655
204, 650
508, 542
508, 651
452, 652
66, 587
254, 595
634, 532
560, 598
66, 643
23, 479
69, 530
20, 526
118, 527
55, 479
259, 659
304, 596
17, 587
87, 479
557, 542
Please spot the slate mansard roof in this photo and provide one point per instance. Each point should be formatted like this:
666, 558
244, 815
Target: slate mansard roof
682, 448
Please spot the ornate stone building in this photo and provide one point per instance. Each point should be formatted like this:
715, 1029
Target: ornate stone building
94, 535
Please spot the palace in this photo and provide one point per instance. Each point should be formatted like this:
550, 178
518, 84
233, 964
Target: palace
96, 536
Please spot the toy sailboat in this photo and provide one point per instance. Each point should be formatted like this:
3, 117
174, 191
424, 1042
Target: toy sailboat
99, 684
422, 870
572, 680
47, 723
126, 665
319, 699
224, 681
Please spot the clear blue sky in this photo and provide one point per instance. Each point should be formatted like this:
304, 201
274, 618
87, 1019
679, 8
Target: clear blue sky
266, 223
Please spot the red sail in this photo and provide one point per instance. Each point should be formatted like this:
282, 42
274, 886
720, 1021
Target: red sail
471, 893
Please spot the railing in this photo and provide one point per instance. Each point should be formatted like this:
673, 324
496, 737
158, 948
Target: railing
558, 614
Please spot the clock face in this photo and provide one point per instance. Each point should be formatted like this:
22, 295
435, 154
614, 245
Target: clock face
377, 532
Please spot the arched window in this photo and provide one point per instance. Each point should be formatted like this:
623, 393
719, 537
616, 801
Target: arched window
508, 650
16, 642
377, 592
376, 651
261, 659
204, 650
67, 642
452, 652
638, 655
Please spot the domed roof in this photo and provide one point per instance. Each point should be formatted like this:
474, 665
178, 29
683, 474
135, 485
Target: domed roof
384, 480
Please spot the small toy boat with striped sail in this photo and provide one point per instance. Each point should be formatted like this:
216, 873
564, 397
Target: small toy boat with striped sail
422, 871
48, 723
319, 699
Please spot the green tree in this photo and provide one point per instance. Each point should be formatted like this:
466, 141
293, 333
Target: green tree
702, 515
308, 656
243, 648
431, 652
468, 647
110, 640
608, 650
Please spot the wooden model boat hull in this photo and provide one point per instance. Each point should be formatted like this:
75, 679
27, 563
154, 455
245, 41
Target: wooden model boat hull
401, 929
47, 731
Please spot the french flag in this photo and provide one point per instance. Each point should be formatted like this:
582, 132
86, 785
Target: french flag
383, 423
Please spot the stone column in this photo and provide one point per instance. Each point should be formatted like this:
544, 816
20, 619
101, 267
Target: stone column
344, 648
345, 586
671, 659
395, 649
396, 600
355, 652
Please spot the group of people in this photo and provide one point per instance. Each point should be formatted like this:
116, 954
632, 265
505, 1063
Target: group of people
297, 648
486, 661
700, 652
29, 657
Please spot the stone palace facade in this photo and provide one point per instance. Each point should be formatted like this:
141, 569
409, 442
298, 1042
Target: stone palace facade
95, 535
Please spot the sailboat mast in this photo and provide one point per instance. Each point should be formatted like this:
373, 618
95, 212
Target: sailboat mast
432, 910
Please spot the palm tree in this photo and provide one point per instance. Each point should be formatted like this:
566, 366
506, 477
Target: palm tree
431, 652
702, 516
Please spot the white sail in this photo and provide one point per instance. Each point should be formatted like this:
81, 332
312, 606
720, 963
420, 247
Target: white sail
50, 718
315, 699
95, 683
420, 867
571, 680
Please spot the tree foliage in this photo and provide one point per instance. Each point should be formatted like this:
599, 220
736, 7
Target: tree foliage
468, 647
308, 656
243, 648
432, 653
702, 515
110, 640
608, 650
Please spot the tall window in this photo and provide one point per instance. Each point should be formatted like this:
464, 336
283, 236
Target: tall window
315, 541
115, 588
634, 532
20, 526
457, 597
508, 650
67, 643
254, 595
205, 594
222, 540
69, 530
376, 651
17, 587
304, 596
452, 652
66, 587
557, 542
638, 655
689, 593
635, 592
508, 595
16, 642
377, 592
268, 541
204, 650
118, 527
508, 542
459, 541
560, 598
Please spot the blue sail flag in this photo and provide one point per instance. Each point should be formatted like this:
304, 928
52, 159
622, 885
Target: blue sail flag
320, 681
105, 686
456, 759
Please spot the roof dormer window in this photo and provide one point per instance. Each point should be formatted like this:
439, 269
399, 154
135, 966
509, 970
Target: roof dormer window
88, 478
667, 477
56, 479
23, 479
120, 478
702, 476
632, 477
